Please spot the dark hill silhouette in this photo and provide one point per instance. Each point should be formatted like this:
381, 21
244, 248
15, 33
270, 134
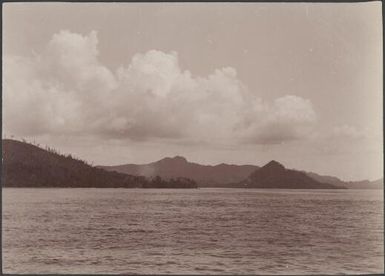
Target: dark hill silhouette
27, 165
204, 175
275, 175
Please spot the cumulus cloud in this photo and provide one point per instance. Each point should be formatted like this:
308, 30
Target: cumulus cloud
66, 90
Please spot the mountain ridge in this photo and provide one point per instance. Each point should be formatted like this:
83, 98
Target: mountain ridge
25, 165
212, 181
205, 175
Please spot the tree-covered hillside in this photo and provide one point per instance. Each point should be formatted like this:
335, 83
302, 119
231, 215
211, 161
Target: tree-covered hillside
27, 165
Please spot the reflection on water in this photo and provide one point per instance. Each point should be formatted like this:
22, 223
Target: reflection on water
204, 231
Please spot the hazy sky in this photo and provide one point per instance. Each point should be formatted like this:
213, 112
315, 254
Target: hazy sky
239, 83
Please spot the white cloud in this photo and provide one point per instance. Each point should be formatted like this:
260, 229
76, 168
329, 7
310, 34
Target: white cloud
66, 90
288, 118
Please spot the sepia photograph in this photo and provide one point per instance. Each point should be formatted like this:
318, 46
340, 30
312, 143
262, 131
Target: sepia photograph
182, 138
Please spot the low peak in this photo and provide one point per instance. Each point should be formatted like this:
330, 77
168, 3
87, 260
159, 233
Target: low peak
274, 165
177, 158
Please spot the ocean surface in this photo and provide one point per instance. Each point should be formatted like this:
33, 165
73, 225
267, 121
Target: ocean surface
199, 231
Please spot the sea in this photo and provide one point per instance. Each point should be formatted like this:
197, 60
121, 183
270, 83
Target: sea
192, 231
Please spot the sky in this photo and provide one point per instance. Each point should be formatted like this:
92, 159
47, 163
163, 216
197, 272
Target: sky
239, 83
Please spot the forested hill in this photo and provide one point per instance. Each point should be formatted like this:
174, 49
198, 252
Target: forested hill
275, 176
27, 165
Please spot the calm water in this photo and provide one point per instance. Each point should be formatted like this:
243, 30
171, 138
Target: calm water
205, 231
